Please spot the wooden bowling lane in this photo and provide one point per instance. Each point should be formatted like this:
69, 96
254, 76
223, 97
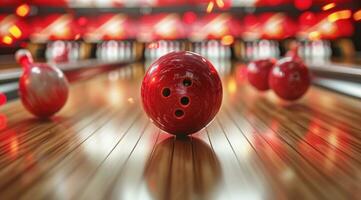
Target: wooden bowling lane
102, 146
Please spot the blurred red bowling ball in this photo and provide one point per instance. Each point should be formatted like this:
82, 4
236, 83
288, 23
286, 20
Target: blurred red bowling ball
43, 89
289, 78
258, 72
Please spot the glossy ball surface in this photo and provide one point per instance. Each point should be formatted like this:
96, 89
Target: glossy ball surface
43, 89
289, 78
258, 72
181, 92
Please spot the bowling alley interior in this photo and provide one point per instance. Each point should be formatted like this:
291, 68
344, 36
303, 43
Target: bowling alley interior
180, 99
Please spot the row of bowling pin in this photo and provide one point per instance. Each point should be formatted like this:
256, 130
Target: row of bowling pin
62, 51
253, 50
222, 65
211, 49
115, 51
315, 50
160, 48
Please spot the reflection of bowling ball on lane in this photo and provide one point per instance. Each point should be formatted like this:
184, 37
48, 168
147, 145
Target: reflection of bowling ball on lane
30, 154
181, 92
43, 88
328, 142
9, 146
195, 170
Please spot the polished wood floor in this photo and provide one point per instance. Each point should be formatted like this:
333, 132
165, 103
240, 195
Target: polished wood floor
102, 146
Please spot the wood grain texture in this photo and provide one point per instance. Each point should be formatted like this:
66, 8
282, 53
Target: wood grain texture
102, 146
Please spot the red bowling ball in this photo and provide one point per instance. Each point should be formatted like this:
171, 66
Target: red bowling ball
257, 73
181, 92
289, 78
43, 89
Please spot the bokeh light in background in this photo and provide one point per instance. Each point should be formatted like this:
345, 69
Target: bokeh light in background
23, 10
56, 27
230, 22
328, 6
227, 40
357, 15
15, 31
7, 40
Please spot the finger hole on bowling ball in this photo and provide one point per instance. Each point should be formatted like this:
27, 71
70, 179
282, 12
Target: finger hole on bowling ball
179, 113
166, 92
187, 82
184, 101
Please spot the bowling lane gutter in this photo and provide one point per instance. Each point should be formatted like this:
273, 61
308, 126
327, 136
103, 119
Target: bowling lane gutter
338, 77
9, 77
